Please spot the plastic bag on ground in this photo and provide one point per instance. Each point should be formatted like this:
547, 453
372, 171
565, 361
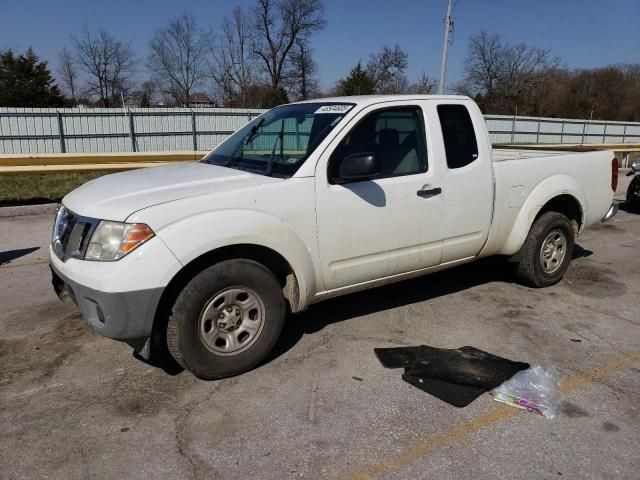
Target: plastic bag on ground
534, 389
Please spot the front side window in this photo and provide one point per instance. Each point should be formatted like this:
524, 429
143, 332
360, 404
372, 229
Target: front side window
459, 136
394, 135
278, 142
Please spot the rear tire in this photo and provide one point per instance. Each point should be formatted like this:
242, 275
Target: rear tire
226, 319
547, 251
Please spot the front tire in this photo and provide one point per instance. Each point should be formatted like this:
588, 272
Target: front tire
226, 319
547, 251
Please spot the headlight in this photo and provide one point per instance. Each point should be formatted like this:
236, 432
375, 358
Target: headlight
60, 227
113, 240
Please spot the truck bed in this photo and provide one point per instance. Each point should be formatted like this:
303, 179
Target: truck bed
525, 186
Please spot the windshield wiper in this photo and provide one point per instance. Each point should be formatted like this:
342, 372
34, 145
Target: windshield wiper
253, 132
236, 153
272, 157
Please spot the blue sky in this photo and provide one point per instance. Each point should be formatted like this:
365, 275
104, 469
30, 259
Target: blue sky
583, 33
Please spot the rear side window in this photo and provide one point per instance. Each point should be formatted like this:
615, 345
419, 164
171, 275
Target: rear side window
459, 136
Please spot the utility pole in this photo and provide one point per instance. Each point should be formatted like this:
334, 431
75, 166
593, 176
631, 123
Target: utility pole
448, 25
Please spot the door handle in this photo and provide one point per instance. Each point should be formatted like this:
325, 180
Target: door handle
429, 192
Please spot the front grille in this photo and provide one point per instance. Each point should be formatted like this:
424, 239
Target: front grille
71, 233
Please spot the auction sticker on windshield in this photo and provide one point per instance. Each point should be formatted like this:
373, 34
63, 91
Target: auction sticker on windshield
333, 109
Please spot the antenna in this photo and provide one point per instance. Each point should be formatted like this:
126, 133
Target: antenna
448, 26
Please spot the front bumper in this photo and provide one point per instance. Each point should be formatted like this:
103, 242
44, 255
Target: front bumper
118, 299
610, 213
123, 316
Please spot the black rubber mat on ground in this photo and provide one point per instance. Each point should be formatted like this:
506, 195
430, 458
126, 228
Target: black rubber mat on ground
456, 376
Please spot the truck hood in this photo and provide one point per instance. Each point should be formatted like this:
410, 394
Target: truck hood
117, 196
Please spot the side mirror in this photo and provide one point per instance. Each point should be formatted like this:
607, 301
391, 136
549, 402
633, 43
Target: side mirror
360, 166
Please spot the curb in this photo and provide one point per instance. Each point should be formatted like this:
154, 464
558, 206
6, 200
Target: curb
24, 210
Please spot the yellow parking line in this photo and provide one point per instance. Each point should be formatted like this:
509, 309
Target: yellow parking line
578, 381
498, 414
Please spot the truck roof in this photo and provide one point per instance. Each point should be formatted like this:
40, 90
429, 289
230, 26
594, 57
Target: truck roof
361, 100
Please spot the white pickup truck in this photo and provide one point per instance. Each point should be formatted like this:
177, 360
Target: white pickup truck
309, 201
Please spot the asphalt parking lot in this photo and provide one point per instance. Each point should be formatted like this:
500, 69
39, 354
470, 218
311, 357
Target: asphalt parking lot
76, 405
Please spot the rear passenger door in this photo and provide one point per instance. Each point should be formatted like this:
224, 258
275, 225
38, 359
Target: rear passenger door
387, 225
467, 180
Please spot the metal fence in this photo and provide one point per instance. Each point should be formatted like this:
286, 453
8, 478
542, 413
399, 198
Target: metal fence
98, 130
507, 129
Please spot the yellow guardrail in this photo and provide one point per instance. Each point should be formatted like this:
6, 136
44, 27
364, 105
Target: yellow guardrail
624, 151
615, 147
89, 162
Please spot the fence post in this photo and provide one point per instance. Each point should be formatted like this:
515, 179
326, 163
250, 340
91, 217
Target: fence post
624, 133
538, 131
562, 132
584, 129
604, 133
513, 128
63, 146
132, 131
193, 130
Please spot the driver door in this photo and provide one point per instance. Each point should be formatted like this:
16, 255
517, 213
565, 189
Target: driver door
386, 225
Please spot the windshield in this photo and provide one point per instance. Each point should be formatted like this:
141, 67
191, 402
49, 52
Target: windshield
278, 142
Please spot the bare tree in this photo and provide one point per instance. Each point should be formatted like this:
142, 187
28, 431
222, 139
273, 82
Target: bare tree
279, 24
107, 62
505, 77
387, 68
424, 86
68, 74
144, 96
523, 69
302, 70
631, 109
234, 68
148, 92
178, 58
485, 63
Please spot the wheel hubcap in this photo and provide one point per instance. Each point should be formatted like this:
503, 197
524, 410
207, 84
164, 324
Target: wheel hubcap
553, 252
232, 321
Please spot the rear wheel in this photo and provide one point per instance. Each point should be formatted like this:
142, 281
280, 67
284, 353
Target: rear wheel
547, 251
226, 319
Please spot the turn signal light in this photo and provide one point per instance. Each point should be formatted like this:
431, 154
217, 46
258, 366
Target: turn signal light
135, 235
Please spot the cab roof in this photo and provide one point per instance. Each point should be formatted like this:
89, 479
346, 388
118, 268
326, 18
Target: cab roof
362, 100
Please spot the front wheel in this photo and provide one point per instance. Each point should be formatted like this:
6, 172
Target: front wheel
226, 319
547, 251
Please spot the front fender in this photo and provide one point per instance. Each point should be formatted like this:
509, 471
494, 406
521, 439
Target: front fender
193, 236
545, 191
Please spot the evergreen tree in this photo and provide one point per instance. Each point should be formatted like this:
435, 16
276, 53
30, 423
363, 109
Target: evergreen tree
273, 99
25, 81
358, 82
